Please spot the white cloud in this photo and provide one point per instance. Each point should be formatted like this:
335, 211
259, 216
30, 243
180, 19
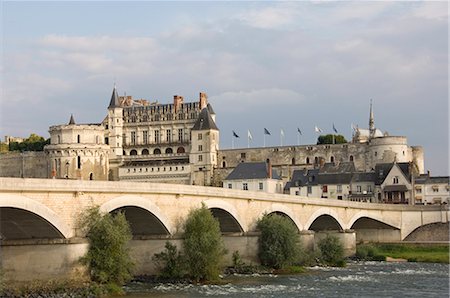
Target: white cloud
269, 17
436, 10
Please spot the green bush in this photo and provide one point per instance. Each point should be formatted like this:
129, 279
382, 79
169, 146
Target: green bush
368, 253
170, 262
331, 251
107, 258
279, 241
203, 245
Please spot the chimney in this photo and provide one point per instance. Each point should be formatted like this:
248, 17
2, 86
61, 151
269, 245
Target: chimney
203, 100
269, 169
177, 101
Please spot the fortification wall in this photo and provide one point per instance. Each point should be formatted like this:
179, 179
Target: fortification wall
24, 164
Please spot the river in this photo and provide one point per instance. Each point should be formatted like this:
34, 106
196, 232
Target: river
367, 279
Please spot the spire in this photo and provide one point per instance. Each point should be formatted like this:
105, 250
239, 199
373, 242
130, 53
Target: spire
114, 99
205, 121
72, 120
371, 121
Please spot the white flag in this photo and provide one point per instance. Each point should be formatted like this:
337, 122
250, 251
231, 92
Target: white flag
353, 127
316, 129
249, 135
282, 132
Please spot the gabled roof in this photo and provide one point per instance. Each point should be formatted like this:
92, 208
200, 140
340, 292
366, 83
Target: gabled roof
341, 178
383, 169
336, 168
114, 99
72, 120
204, 121
363, 177
252, 170
305, 177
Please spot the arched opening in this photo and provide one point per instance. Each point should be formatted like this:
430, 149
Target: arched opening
279, 213
422, 233
142, 222
369, 229
145, 152
316, 160
91, 176
157, 151
133, 152
307, 160
224, 164
370, 223
325, 223
228, 224
293, 161
351, 158
18, 223
332, 159
169, 151
180, 150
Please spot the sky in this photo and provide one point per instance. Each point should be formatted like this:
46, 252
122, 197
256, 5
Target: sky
274, 65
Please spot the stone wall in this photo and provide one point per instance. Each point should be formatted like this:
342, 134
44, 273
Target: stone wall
430, 232
29, 164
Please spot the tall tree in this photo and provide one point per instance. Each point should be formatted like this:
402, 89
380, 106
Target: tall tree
328, 139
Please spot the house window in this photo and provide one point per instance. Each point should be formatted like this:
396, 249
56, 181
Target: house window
145, 137
358, 189
369, 188
200, 148
168, 135
395, 180
339, 188
133, 138
243, 155
245, 186
230, 186
419, 190
200, 158
261, 186
200, 136
325, 188
180, 135
297, 193
435, 189
309, 189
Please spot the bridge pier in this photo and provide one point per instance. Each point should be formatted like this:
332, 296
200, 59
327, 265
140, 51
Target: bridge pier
346, 237
378, 235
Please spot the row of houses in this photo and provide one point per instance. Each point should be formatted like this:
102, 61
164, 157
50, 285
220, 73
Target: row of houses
390, 183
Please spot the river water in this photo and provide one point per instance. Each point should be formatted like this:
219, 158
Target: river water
366, 279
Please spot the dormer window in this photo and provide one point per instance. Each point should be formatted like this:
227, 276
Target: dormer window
395, 180
200, 136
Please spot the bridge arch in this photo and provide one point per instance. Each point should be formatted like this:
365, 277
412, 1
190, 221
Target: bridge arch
229, 219
38, 209
280, 208
135, 203
325, 214
371, 216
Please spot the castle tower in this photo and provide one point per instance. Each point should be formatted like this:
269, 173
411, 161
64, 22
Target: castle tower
115, 126
204, 148
372, 128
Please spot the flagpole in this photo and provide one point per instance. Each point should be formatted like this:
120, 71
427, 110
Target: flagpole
264, 140
232, 142
248, 140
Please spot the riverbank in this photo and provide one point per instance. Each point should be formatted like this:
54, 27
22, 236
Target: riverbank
412, 252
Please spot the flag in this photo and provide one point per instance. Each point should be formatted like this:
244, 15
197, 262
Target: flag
235, 134
282, 132
316, 129
249, 135
354, 128
334, 128
299, 131
266, 132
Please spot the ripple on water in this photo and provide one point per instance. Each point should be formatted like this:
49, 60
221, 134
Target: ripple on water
351, 278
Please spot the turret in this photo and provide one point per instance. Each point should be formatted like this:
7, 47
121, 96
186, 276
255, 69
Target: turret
115, 125
372, 128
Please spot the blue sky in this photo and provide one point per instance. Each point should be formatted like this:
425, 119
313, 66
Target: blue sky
279, 65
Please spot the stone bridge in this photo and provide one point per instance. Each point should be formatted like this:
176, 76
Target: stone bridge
46, 212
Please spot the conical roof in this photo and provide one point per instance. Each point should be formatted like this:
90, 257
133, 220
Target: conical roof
114, 99
72, 120
210, 109
205, 121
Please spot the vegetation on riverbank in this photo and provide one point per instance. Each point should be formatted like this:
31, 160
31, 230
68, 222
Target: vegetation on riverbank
429, 253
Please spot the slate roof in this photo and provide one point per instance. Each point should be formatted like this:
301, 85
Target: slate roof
72, 120
383, 169
204, 121
363, 177
210, 109
426, 179
304, 177
114, 99
335, 168
251, 170
341, 178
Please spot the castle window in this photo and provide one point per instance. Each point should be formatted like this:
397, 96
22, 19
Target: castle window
59, 139
376, 153
157, 151
180, 150
245, 186
133, 138
230, 186
133, 152
316, 160
307, 160
293, 161
78, 162
332, 159
145, 137
200, 148
261, 186
351, 157
157, 138
224, 164
168, 135
133, 118
200, 136
180, 135
243, 155
78, 139
145, 152
200, 158
169, 151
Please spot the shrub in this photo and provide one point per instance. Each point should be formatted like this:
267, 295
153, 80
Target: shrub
331, 251
279, 241
203, 245
107, 258
170, 262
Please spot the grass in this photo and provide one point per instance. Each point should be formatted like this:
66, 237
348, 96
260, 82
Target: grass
428, 253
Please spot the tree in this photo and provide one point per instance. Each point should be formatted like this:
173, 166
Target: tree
108, 257
279, 241
170, 262
331, 251
32, 143
328, 139
203, 245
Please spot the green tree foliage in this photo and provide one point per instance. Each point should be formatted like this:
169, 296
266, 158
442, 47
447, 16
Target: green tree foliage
328, 139
4, 147
203, 245
108, 257
279, 241
32, 143
331, 251
170, 262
